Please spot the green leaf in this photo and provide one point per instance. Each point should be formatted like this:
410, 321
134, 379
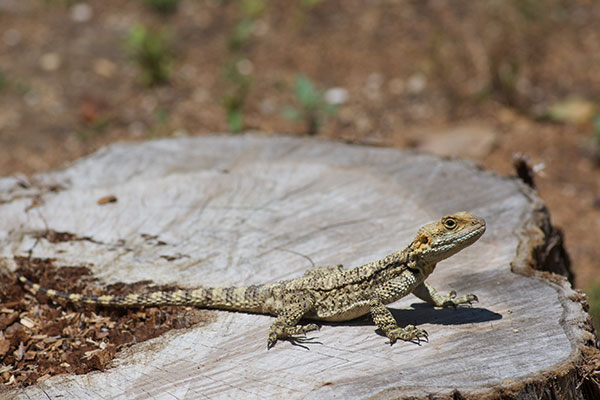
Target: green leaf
306, 93
241, 34
235, 120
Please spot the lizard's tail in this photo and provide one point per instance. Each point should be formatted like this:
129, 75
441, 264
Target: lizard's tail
232, 298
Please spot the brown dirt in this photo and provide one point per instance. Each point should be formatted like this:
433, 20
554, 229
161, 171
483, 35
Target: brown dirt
68, 88
39, 339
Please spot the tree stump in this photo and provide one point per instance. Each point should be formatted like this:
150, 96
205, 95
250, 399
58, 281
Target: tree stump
240, 210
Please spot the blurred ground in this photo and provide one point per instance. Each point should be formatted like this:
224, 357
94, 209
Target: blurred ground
480, 80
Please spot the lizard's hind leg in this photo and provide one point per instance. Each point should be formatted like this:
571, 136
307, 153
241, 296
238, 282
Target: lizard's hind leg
286, 322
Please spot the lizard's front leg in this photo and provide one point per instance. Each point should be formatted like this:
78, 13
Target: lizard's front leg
285, 324
384, 319
426, 292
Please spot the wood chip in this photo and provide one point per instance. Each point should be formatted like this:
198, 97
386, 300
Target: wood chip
111, 198
27, 322
39, 337
89, 354
43, 378
7, 320
6, 368
4, 347
20, 351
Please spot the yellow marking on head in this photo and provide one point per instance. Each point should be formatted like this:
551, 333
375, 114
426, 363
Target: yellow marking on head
422, 240
106, 299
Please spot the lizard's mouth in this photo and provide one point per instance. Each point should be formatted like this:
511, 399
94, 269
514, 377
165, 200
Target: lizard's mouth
453, 245
471, 237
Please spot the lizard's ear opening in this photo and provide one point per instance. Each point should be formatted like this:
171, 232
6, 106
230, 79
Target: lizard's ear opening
424, 239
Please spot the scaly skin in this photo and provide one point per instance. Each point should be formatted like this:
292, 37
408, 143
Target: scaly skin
328, 293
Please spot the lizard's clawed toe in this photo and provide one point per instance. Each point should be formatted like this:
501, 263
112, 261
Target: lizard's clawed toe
409, 333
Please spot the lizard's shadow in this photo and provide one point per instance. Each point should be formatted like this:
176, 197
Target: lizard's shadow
422, 313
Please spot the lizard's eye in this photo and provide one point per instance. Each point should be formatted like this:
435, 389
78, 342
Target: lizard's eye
449, 223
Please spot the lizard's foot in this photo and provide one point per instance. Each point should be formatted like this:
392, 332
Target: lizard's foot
450, 300
284, 332
409, 333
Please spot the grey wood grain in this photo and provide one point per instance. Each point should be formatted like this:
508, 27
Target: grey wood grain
251, 209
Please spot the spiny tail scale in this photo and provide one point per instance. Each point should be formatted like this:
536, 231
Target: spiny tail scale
243, 298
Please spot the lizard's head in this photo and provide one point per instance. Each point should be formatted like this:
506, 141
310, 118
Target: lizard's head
440, 240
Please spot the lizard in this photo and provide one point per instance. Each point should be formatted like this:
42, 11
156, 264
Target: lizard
329, 293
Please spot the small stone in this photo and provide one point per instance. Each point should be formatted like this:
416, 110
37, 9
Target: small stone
11, 37
81, 12
336, 95
50, 61
245, 66
104, 67
416, 83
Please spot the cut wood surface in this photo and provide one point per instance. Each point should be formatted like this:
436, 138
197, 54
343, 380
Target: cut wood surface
240, 210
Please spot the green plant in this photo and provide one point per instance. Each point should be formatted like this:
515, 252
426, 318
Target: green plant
241, 34
238, 70
163, 6
312, 107
149, 50
593, 297
234, 100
